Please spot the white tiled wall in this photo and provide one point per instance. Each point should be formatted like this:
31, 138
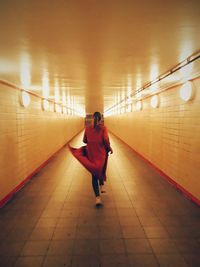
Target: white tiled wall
168, 136
29, 136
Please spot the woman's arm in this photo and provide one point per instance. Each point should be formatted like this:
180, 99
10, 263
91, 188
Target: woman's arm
85, 137
107, 141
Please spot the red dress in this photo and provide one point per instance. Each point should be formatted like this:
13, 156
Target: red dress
94, 155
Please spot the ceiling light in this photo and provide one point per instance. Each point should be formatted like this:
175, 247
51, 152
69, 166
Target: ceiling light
138, 105
64, 110
25, 99
187, 91
45, 104
122, 110
154, 101
57, 108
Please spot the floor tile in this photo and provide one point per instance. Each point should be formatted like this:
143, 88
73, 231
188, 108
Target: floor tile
133, 232
64, 233
85, 261
86, 247
163, 245
88, 232
193, 260
187, 245
115, 260
116, 246
58, 261
137, 246
143, 260
11, 248
156, 232
171, 260
6, 261
42, 233
29, 262
35, 248
59, 247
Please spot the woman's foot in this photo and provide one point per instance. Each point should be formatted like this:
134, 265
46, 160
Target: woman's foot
98, 201
102, 189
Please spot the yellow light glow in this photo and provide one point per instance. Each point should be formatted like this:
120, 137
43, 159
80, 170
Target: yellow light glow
129, 85
25, 73
153, 88
139, 94
129, 108
64, 100
123, 110
186, 71
154, 72
155, 101
64, 110
129, 104
45, 84
45, 104
118, 101
82, 114
25, 99
72, 105
187, 91
138, 81
58, 108
187, 48
69, 111
7, 66
129, 100
56, 91
138, 105
69, 101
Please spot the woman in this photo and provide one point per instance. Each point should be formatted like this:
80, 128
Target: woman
94, 155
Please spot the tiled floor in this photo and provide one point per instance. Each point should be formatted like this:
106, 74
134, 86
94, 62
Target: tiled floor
53, 222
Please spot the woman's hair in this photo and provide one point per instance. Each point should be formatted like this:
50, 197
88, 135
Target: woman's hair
97, 118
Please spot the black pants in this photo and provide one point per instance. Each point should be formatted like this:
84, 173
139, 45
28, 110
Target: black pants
95, 184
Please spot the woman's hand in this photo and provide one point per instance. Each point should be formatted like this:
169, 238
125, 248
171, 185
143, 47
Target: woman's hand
111, 151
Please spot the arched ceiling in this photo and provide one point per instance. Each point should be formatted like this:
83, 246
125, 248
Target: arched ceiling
94, 51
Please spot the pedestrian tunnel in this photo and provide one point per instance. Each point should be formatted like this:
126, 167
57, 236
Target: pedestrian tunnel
166, 136
138, 64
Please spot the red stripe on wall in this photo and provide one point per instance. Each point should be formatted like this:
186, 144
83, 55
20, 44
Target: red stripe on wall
169, 179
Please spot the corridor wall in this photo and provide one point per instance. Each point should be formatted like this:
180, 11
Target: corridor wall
168, 137
28, 138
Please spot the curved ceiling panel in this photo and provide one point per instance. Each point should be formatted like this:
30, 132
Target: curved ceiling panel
91, 52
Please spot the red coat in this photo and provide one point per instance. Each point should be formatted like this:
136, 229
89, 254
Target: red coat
94, 155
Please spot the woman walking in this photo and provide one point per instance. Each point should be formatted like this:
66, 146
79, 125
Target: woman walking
94, 155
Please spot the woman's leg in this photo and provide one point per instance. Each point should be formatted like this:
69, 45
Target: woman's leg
102, 187
101, 182
95, 185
